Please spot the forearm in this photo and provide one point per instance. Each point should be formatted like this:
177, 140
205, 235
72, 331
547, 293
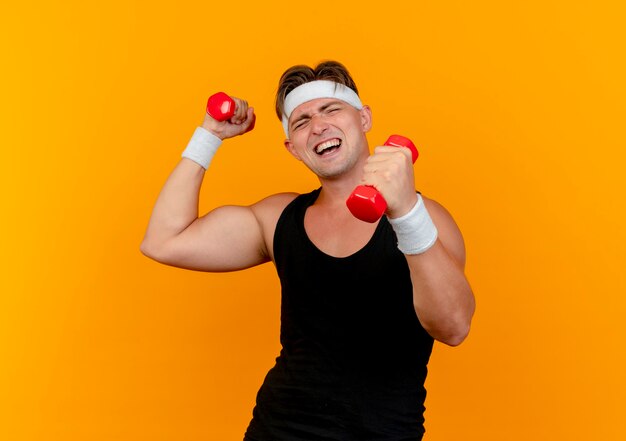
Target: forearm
177, 204
435, 253
442, 296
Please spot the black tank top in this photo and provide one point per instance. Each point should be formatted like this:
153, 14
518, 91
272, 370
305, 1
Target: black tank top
354, 355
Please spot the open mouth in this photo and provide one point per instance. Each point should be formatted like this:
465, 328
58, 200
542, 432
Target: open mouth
328, 146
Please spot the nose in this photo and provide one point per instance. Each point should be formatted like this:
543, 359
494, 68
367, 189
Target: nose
318, 124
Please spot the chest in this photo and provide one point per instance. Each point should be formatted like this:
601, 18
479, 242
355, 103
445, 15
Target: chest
338, 235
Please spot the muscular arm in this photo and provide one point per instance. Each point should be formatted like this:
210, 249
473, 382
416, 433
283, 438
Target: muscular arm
227, 238
442, 296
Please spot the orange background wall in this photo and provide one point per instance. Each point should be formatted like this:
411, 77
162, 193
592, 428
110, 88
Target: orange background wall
518, 113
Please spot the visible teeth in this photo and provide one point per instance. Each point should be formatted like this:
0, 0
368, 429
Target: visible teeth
326, 145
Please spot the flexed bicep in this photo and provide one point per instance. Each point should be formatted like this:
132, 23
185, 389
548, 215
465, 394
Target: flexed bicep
228, 238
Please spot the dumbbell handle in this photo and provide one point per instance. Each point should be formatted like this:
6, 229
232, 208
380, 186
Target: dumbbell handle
365, 202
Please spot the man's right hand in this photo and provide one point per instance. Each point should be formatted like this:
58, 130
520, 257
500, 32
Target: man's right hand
241, 122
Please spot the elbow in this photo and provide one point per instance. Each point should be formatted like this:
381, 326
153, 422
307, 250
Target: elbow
456, 329
452, 332
461, 329
455, 338
144, 248
151, 250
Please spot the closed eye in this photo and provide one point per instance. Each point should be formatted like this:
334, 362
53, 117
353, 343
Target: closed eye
300, 123
327, 109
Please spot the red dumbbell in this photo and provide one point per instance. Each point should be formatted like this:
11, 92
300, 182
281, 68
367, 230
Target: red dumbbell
221, 107
365, 202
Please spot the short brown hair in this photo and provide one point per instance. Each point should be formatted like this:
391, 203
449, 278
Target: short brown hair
298, 75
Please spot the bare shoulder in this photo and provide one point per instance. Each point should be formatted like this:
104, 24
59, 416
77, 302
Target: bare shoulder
267, 211
272, 206
449, 232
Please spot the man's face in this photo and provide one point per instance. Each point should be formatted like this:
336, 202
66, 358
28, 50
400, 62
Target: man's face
328, 135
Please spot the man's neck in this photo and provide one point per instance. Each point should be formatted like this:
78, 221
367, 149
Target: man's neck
336, 191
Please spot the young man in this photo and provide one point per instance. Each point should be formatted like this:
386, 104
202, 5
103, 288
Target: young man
362, 302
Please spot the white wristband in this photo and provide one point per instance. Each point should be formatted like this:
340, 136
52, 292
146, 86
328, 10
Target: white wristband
202, 147
415, 231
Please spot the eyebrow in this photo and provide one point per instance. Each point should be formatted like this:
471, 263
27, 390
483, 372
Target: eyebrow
319, 109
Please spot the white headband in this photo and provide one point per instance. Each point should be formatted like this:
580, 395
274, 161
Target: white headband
317, 89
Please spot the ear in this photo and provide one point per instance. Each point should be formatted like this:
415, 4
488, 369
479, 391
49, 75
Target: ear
366, 118
291, 149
